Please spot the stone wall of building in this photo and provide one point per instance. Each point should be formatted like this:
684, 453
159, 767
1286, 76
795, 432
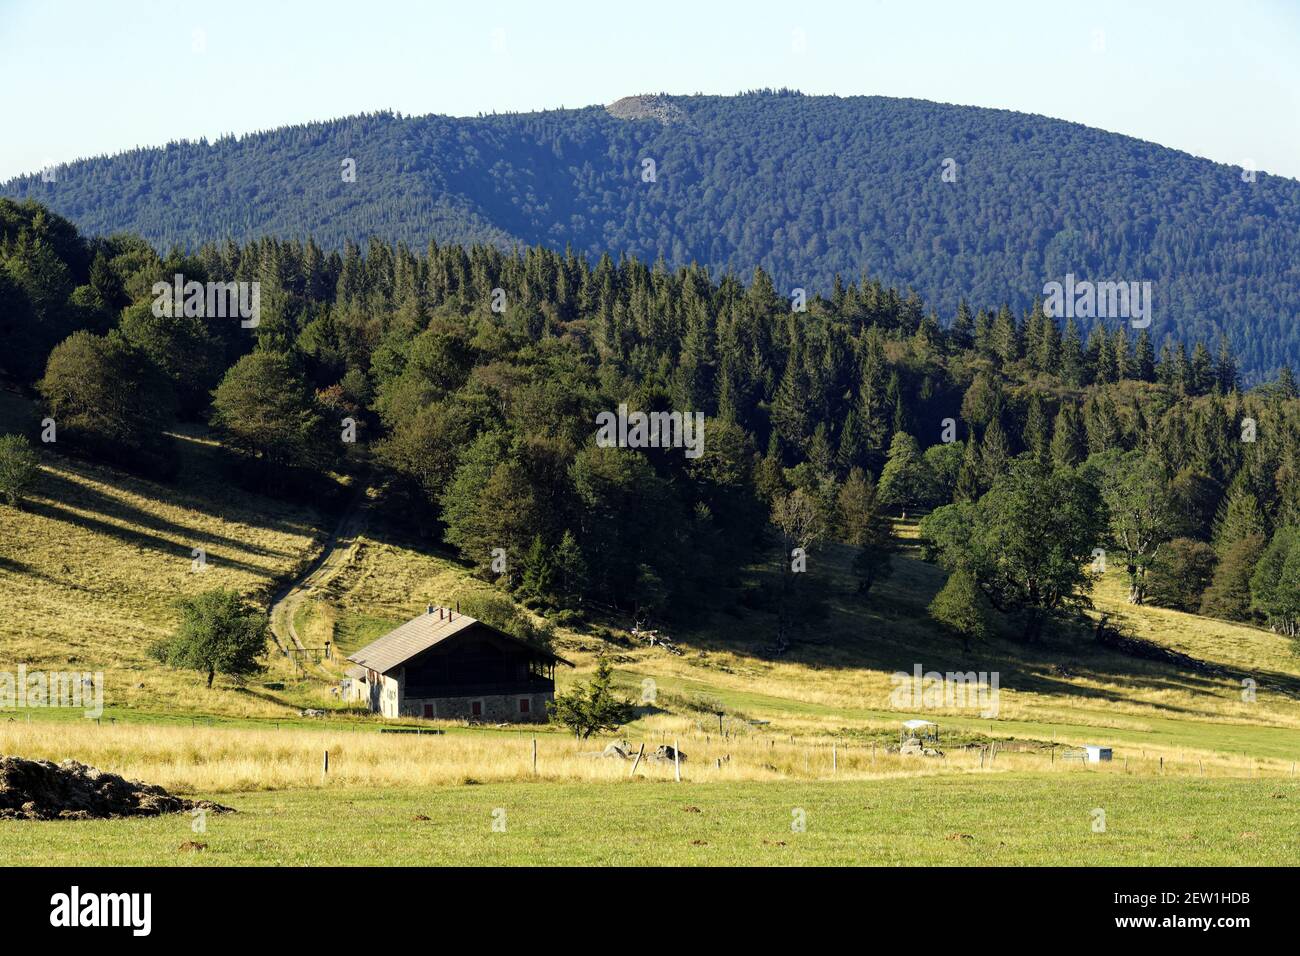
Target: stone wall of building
496, 709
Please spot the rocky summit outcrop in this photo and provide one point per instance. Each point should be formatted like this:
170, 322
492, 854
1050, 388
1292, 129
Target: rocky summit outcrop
658, 108
41, 790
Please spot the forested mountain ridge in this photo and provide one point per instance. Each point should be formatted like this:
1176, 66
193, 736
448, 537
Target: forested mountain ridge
805, 187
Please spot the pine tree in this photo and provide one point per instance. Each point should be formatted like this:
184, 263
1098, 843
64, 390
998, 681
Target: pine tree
873, 407
1048, 358
1073, 360
593, 708
1121, 360
1101, 420
995, 452
852, 452
820, 453
1228, 595
970, 482
571, 567
1100, 357
696, 368
864, 526
1239, 517
961, 336
1036, 436
1180, 370
538, 572
1069, 443
894, 399
1202, 374
1005, 336
1144, 359
1225, 371
983, 335
791, 411
1286, 382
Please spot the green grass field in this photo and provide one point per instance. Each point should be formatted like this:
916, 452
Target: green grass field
989, 820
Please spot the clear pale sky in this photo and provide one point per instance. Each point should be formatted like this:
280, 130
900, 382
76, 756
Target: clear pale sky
84, 77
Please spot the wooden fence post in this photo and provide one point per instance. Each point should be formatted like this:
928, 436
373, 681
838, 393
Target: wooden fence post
637, 762
325, 766
677, 761
835, 760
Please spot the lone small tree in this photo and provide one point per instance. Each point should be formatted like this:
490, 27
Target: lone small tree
19, 466
593, 708
219, 633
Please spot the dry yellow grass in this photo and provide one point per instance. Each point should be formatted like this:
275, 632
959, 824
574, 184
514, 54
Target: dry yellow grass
217, 759
91, 566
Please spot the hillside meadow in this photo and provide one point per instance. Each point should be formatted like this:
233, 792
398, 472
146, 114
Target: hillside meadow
90, 568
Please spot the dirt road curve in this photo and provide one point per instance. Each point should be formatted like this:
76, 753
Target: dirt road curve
285, 604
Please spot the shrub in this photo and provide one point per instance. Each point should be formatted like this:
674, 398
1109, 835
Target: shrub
19, 466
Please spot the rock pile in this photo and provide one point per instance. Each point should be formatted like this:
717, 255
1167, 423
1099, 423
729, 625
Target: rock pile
40, 790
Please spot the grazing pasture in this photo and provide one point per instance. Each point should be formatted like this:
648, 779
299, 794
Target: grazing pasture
993, 819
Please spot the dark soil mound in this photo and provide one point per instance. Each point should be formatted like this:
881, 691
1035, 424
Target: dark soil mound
40, 790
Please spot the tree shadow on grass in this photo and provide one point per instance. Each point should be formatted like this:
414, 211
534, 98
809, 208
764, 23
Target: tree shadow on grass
74, 494
187, 492
155, 542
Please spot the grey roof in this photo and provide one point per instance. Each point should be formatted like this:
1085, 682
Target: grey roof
421, 633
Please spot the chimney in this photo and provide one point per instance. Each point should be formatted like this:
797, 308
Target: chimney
428, 609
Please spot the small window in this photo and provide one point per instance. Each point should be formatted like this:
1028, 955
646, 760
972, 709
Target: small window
523, 705
476, 708
428, 710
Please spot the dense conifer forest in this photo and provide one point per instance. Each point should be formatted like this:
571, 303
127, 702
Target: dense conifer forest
473, 379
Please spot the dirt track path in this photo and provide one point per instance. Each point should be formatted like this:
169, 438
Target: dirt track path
285, 604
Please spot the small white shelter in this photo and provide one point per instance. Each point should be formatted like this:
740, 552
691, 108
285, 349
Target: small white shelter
1097, 754
921, 729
